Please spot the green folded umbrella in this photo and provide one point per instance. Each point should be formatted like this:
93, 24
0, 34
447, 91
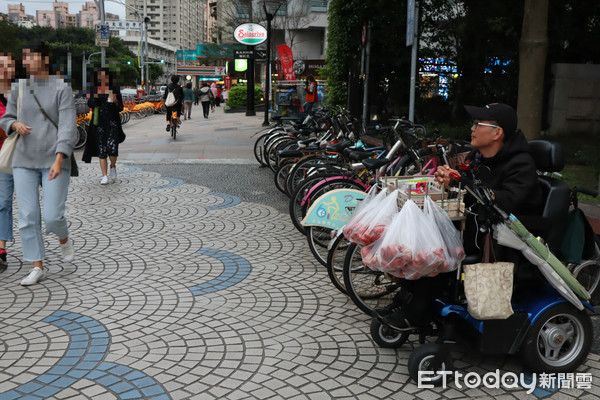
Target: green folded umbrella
578, 239
541, 250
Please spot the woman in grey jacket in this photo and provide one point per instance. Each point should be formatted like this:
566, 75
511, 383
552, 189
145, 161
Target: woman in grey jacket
41, 157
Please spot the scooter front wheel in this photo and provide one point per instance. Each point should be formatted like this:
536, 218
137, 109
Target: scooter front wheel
431, 360
387, 337
559, 340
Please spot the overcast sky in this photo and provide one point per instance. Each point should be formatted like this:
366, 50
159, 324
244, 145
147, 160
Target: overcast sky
74, 6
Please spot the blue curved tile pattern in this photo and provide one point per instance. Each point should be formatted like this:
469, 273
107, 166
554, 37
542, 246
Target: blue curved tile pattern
83, 359
172, 182
130, 170
228, 201
236, 270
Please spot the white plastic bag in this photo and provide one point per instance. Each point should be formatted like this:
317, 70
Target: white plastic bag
411, 248
453, 247
373, 219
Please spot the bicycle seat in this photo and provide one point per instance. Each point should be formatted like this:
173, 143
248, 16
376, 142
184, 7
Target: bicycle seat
358, 155
338, 147
289, 153
374, 163
303, 143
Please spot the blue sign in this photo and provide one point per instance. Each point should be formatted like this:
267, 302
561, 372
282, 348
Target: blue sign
333, 209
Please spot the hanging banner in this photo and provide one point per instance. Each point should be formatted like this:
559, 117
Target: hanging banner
287, 62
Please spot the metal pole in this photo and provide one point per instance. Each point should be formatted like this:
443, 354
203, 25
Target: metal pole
147, 65
268, 69
366, 83
250, 110
413, 66
102, 49
84, 74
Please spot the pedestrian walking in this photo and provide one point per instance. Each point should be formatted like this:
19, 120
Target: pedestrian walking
213, 100
47, 129
218, 97
196, 95
205, 96
7, 75
105, 131
188, 99
225, 95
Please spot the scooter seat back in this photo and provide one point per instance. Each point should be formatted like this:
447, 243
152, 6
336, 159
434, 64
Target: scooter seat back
549, 157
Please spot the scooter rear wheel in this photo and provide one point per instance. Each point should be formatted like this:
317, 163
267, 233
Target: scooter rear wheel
387, 337
559, 340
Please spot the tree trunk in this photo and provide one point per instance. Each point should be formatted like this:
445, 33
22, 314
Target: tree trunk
532, 64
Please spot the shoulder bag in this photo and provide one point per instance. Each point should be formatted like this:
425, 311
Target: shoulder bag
74, 166
489, 286
10, 143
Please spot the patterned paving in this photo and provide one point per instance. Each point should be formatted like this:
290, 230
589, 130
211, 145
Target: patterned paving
181, 293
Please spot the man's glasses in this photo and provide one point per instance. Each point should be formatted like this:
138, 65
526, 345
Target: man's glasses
477, 123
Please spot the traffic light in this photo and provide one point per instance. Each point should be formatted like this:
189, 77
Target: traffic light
128, 62
162, 60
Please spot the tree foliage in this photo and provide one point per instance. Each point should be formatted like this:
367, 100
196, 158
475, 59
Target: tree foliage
74, 40
480, 37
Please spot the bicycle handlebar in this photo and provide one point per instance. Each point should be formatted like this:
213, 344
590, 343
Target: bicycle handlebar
584, 190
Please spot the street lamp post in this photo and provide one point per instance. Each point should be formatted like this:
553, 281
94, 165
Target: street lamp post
270, 16
84, 69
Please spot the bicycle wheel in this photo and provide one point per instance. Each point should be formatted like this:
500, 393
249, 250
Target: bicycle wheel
368, 289
335, 262
81, 136
258, 149
306, 166
318, 238
408, 165
588, 274
281, 175
174, 130
272, 154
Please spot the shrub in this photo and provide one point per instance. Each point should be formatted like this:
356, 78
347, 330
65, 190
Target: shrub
237, 96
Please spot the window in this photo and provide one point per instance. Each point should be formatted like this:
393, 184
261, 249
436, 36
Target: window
242, 10
318, 5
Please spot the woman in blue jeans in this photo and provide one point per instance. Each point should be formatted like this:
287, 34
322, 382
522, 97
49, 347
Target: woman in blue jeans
41, 157
7, 74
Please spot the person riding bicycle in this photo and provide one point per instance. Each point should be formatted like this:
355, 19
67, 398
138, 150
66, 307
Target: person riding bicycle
501, 160
178, 93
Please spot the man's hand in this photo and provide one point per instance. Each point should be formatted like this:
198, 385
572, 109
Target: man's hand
20, 128
442, 175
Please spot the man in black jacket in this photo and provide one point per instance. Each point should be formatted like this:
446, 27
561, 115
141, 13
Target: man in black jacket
502, 161
178, 93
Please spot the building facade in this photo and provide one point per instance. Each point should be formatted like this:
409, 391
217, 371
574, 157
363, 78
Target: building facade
17, 15
301, 24
157, 51
178, 23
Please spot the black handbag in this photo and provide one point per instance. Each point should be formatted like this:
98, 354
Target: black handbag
74, 167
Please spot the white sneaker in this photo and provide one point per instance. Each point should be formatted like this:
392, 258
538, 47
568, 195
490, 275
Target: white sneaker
68, 251
34, 276
113, 174
104, 180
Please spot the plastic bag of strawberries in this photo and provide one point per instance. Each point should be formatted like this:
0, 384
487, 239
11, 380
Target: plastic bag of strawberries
370, 223
411, 248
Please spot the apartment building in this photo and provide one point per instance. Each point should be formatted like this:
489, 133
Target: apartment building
179, 23
88, 15
17, 15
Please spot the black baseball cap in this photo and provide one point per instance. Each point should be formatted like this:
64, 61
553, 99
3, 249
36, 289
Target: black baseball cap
502, 113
